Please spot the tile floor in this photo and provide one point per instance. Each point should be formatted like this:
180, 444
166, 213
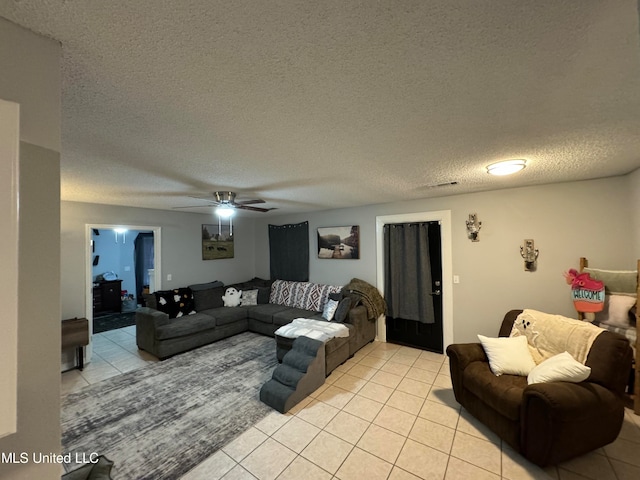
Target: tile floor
387, 413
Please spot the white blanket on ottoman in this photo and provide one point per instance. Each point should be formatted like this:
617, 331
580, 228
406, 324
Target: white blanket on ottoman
316, 329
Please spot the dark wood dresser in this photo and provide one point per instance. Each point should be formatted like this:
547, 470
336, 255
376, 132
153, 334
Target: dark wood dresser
107, 296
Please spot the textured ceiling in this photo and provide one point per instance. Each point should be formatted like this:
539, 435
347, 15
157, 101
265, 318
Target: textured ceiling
313, 105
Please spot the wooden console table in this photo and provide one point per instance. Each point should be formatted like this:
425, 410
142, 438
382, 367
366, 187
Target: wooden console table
75, 333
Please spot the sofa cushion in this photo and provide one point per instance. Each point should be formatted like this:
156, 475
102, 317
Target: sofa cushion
264, 313
208, 298
263, 295
286, 316
503, 393
227, 315
206, 286
181, 327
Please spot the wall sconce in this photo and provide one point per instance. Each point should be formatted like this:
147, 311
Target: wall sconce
473, 227
530, 255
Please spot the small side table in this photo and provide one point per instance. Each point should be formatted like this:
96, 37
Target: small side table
75, 333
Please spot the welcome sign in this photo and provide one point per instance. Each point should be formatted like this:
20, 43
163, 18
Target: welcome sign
587, 293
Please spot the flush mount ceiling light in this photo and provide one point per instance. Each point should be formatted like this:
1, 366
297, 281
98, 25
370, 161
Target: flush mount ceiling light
507, 167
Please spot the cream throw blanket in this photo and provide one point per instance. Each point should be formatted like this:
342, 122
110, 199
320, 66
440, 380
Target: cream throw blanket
316, 329
548, 335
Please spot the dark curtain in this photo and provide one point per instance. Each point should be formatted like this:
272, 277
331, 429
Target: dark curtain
289, 252
408, 272
143, 261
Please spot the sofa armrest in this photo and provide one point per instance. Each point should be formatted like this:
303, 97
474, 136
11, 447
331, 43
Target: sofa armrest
561, 420
363, 331
357, 316
149, 318
147, 322
462, 354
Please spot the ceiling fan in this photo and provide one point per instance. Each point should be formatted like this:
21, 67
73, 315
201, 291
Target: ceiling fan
227, 200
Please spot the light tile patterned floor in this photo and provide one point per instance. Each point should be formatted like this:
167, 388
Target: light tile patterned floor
114, 352
388, 413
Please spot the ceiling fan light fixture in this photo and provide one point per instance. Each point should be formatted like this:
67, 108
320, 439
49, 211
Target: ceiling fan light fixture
224, 211
507, 167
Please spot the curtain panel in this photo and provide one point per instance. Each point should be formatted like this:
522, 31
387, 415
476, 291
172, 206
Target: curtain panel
289, 252
408, 282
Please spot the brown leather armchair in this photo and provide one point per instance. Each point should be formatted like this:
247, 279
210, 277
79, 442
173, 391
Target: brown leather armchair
546, 422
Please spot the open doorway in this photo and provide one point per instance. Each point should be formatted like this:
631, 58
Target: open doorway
122, 261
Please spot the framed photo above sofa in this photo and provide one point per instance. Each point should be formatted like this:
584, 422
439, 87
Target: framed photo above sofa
339, 242
217, 242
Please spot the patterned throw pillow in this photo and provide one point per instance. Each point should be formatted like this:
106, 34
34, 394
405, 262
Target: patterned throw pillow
176, 303
249, 297
282, 293
329, 310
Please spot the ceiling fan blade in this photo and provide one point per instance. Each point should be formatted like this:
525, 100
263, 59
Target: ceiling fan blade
255, 209
196, 206
249, 202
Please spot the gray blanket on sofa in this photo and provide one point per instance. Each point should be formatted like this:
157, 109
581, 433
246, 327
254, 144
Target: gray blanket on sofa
369, 296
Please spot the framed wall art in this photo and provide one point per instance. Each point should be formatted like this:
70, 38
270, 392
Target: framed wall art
217, 242
339, 242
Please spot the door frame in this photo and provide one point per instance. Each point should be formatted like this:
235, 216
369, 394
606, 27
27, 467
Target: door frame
157, 262
9, 252
444, 218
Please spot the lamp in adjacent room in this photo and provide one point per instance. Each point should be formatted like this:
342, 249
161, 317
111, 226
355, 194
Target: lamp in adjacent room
123, 232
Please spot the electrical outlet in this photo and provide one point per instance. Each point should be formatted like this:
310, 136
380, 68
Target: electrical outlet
456, 279
169, 277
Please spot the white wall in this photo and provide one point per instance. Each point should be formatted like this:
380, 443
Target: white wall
30, 76
181, 248
566, 220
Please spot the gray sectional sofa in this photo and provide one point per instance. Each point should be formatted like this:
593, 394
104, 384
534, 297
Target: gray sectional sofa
204, 319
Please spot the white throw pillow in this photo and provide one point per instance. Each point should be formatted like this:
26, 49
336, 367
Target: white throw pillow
616, 310
329, 309
559, 368
508, 355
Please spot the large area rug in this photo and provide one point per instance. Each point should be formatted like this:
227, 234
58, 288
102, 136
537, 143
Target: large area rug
160, 421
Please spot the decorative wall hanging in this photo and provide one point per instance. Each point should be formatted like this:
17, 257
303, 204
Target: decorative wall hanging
339, 242
587, 293
217, 241
530, 255
473, 227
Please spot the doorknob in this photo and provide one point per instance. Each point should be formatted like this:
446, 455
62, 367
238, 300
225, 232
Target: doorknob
436, 292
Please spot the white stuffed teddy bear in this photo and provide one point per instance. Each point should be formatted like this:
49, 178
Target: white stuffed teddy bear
231, 297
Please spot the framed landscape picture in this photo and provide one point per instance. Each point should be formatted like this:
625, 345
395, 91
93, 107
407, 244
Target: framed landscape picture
339, 242
217, 242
